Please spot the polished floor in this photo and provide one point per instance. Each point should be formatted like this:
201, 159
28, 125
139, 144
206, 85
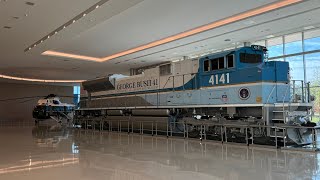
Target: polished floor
58, 153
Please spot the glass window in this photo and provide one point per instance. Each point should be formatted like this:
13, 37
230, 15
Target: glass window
275, 47
312, 40
296, 67
76, 94
250, 58
221, 63
293, 43
313, 68
206, 65
313, 76
215, 64
230, 61
76, 89
278, 59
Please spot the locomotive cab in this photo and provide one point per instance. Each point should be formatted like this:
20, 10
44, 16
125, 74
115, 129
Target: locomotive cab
246, 68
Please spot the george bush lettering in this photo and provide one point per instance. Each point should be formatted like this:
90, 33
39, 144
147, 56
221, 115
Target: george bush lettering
139, 84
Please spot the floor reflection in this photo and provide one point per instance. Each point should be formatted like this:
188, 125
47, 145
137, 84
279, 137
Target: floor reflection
163, 158
58, 152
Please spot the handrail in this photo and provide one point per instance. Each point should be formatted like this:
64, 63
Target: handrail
284, 97
166, 82
172, 76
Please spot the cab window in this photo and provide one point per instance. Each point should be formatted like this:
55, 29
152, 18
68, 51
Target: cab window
250, 58
217, 63
206, 66
230, 61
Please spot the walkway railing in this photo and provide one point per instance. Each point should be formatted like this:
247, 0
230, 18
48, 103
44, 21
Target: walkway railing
182, 129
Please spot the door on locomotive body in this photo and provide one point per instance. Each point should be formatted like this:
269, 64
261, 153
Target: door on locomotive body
215, 76
248, 77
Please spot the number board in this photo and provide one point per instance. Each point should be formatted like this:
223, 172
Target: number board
257, 48
219, 79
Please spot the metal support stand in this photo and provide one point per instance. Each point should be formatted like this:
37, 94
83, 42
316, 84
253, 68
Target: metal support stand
252, 135
225, 134
152, 128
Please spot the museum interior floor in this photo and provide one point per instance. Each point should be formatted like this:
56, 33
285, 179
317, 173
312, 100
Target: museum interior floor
52, 152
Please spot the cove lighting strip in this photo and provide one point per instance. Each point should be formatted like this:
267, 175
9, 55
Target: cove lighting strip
40, 80
185, 34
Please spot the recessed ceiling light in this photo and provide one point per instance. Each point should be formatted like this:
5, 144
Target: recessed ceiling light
48, 37
25, 15
97, 6
308, 27
73, 21
64, 27
250, 22
41, 41
56, 32
84, 14
34, 45
29, 48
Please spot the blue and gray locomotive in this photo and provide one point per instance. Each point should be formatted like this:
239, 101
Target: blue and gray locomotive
236, 88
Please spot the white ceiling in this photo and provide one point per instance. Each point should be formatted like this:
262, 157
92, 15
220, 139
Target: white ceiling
119, 25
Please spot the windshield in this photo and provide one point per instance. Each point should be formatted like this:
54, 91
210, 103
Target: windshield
250, 58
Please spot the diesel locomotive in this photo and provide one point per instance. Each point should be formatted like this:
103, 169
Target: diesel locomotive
227, 91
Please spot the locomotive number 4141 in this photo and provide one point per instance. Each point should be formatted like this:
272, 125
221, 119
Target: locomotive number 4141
219, 79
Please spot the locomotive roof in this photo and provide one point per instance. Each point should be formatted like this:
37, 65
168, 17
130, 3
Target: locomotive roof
224, 53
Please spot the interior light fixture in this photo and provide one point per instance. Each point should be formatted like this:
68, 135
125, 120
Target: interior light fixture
270, 36
213, 25
308, 27
72, 56
97, 6
39, 80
